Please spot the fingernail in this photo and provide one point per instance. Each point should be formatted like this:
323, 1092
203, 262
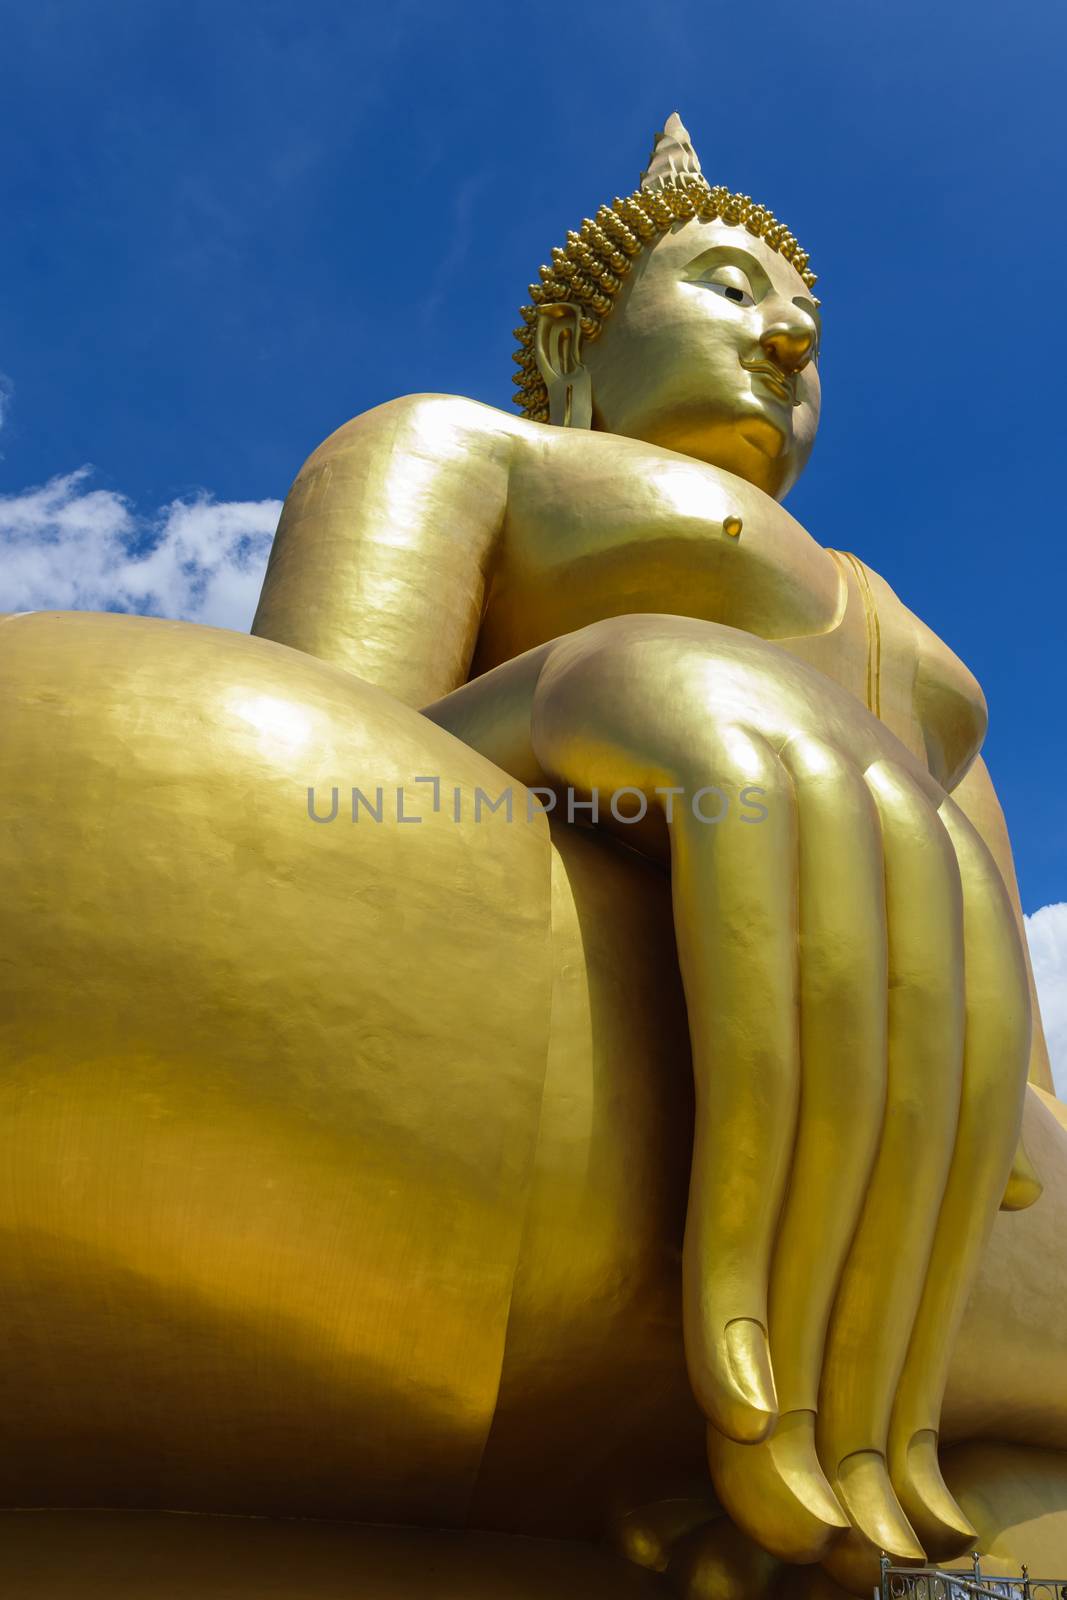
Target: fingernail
864, 1489
925, 1496
793, 1451
776, 1492
748, 1359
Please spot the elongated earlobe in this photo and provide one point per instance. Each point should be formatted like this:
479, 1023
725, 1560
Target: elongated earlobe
557, 346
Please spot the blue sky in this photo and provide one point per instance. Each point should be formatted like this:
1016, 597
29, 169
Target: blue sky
231, 226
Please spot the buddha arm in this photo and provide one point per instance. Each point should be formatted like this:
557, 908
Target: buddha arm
977, 799
380, 560
951, 711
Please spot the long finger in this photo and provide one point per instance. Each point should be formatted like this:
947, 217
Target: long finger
996, 1054
882, 1282
735, 913
776, 1490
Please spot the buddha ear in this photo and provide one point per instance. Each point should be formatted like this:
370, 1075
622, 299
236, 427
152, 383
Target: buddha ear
558, 349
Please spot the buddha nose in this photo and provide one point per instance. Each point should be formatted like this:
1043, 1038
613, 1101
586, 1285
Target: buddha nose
789, 339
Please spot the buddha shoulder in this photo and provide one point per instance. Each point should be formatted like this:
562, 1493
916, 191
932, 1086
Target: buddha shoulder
433, 428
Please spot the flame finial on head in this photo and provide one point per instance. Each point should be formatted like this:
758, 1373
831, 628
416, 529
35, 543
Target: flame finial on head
672, 155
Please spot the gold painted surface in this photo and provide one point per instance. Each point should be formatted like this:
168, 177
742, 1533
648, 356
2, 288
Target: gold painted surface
1017, 1499
599, 1415
259, 1168
1008, 1374
468, 1173
101, 1555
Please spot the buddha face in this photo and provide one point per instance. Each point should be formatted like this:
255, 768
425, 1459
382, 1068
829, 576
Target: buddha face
711, 350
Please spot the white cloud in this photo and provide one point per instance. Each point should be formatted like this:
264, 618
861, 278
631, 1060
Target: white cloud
69, 547
1046, 933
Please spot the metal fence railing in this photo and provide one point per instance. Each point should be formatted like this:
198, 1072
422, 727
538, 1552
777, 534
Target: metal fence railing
938, 1583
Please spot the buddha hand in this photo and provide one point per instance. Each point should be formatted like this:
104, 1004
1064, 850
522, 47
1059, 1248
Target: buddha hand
859, 1020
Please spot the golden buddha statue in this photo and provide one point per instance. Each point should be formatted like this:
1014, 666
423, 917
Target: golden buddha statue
514, 1073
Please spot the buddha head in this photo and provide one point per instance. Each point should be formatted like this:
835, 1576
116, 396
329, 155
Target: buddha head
683, 316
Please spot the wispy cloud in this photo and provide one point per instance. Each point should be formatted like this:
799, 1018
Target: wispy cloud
67, 546
460, 239
7, 391
1046, 933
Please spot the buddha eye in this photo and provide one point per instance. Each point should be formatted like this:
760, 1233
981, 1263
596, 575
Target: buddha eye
732, 284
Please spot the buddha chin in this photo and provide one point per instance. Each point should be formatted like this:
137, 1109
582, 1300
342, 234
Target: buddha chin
759, 438
725, 338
